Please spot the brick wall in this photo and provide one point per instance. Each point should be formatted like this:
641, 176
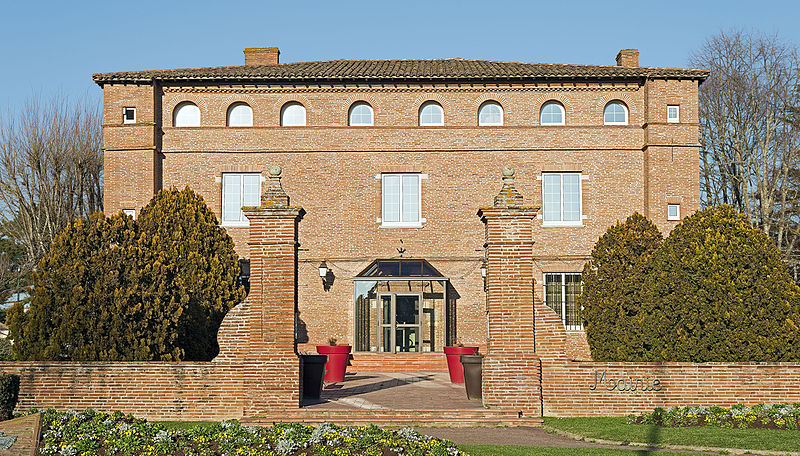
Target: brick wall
152, 390
575, 388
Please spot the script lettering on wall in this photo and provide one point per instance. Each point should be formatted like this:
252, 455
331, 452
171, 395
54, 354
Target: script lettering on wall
624, 384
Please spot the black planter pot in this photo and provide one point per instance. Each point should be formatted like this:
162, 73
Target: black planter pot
473, 373
312, 371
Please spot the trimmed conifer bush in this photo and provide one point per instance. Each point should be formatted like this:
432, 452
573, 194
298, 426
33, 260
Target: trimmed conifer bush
611, 281
714, 290
717, 290
200, 267
116, 289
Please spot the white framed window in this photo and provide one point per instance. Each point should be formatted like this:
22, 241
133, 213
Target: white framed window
293, 114
401, 200
431, 114
561, 291
673, 211
239, 190
186, 114
552, 113
361, 114
240, 115
490, 113
673, 113
128, 115
615, 113
561, 199
130, 213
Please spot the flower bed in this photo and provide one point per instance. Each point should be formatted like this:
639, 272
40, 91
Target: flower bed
765, 416
96, 433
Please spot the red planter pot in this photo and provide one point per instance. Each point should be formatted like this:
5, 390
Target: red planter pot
454, 361
337, 361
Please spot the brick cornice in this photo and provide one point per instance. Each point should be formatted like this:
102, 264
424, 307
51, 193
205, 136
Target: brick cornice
396, 89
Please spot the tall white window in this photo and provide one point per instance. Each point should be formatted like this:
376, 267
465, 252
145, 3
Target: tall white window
431, 113
293, 114
490, 113
561, 197
615, 113
186, 114
401, 198
238, 190
552, 114
240, 115
561, 291
673, 113
360, 114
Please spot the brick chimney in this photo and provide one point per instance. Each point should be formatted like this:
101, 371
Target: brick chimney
628, 58
261, 56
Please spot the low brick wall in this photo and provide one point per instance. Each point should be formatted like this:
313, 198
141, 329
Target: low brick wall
156, 390
578, 388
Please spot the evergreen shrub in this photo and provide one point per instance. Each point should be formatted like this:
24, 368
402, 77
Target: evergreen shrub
115, 289
716, 289
611, 282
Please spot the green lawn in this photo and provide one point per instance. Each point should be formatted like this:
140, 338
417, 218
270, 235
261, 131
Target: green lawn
508, 450
616, 428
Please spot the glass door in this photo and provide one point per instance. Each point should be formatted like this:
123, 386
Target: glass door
400, 323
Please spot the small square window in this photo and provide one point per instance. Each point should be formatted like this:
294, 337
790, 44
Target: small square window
673, 113
130, 212
673, 212
128, 115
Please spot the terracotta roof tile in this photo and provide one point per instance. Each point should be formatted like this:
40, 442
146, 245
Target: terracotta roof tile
400, 70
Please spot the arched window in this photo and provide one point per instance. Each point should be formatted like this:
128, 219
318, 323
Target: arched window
240, 115
293, 114
431, 113
186, 114
361, 114
615, 113
552, 114
490, 113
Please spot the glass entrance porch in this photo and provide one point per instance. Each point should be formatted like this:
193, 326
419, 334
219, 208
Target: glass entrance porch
402, 306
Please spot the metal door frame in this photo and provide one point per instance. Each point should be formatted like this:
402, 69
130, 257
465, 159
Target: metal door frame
393, 314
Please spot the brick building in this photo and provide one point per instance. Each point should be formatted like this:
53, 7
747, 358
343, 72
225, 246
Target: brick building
391, 160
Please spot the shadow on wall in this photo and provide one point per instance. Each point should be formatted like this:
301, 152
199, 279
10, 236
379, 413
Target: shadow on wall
301, 331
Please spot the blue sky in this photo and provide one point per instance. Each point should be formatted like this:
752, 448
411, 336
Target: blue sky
55, 46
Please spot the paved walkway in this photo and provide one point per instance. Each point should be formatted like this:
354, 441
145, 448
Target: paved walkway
527, 436
25, 429
395, 391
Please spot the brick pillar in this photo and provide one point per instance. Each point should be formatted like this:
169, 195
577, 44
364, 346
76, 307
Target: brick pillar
261, 329
511, 368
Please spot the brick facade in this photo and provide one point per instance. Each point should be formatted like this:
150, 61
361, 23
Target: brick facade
331, 168
334, 172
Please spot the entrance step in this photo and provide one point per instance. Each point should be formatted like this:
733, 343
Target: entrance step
396, 417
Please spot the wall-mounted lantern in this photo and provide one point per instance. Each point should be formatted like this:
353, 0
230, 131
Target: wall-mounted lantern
324, 272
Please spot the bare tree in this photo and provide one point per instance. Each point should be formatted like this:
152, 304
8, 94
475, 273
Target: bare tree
51, 166
750, 154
